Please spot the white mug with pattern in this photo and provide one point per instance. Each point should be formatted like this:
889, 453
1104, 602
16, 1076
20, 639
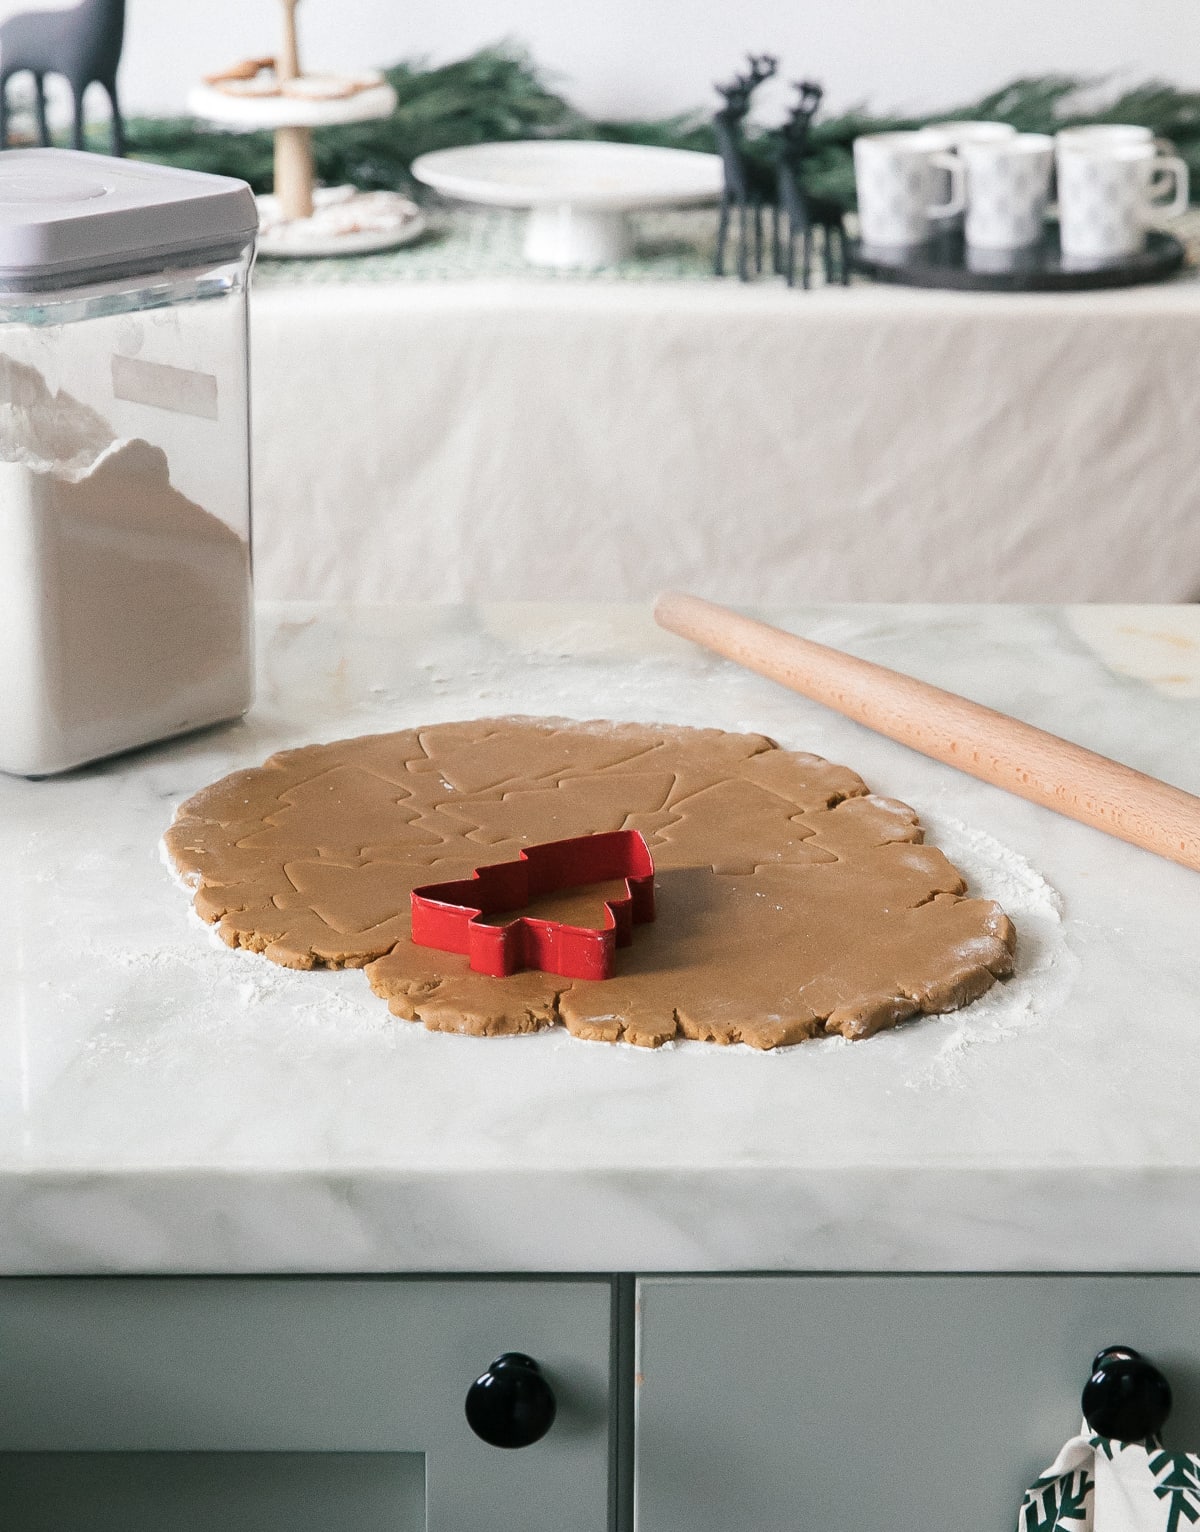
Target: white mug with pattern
899, 196
1008, 187
1110, 190
960, 133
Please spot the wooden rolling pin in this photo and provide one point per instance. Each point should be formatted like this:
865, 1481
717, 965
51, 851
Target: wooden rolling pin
1001, 750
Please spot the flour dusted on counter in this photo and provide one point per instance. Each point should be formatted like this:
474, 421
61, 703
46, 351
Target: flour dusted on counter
123, 604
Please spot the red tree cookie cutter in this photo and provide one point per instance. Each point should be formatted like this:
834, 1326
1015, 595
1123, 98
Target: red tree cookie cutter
448, 916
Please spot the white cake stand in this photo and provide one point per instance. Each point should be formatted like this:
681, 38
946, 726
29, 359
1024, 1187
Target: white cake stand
579, 193
297, 221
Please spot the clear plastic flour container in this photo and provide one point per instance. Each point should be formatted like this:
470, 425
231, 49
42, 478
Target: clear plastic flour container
124, 455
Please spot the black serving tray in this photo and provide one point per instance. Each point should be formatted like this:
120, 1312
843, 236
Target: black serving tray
946, 262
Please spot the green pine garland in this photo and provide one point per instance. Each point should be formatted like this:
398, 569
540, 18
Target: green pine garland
499, 93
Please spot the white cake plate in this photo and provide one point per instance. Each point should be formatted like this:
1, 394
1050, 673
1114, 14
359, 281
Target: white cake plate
579, 193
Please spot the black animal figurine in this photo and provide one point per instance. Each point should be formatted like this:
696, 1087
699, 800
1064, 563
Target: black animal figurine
746, 188
750, 185
83, 43
798, 211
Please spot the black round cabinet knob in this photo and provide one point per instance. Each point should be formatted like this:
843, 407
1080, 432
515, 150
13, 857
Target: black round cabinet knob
511, 1405
1126, 1398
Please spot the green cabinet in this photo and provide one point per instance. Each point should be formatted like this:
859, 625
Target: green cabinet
880, 1404
291, 1404
685, 1404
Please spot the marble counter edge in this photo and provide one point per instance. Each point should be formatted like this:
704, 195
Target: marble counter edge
953, 1220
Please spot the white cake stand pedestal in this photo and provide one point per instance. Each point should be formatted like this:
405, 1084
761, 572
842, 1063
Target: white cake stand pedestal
296, 221
579, 194
565, 235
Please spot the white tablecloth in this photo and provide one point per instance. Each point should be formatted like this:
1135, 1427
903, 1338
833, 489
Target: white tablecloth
482, 440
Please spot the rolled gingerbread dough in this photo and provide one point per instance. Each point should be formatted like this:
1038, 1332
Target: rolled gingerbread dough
791, 901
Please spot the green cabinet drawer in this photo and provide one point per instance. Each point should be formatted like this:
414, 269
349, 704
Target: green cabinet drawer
296, 1403
880, 1404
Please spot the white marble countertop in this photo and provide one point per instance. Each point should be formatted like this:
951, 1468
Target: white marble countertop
168, 1105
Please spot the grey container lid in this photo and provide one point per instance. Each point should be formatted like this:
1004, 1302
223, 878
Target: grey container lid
65, 215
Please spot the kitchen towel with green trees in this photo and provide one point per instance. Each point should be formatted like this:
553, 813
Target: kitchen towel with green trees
1098, 1485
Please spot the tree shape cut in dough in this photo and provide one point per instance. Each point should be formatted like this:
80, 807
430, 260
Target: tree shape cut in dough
576, 806
733, 826
342, 810
496, 760
791, 903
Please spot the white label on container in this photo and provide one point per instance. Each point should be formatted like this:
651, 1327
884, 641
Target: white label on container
165, 388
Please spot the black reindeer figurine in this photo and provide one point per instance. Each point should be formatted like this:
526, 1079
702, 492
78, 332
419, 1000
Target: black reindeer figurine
745, 187
82, 43
797, 210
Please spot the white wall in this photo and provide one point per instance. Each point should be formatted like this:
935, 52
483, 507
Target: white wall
654, 56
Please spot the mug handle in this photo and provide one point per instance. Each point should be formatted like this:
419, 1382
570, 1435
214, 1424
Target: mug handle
1167, 168
957, 169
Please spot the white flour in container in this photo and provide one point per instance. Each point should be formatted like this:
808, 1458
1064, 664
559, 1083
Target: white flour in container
124, 606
